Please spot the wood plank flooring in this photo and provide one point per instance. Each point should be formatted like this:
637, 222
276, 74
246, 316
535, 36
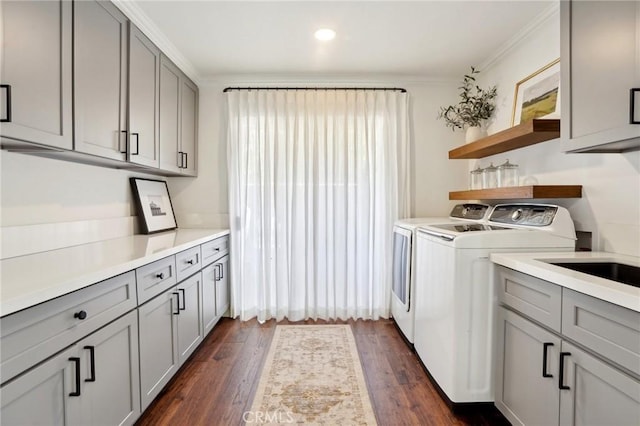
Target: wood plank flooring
217, 384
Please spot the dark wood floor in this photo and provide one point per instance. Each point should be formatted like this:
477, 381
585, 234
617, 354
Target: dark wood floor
216, 386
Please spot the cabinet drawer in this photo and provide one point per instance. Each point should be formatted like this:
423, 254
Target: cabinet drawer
188, 262
538, 299
214, 250
610, 330
34, 334
154, 278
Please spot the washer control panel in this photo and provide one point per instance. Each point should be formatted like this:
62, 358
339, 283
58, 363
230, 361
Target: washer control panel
524, 214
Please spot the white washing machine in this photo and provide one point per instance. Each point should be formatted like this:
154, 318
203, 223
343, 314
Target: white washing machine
404, 253
455, 299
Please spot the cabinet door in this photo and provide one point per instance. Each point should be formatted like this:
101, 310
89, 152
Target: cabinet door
36, 65
111, 392
601, 48
100, 78
597, 394
189, 126
42, 395
170, 159
209, 285
190, 318
222, 286
522, 394
144, 86
158, 344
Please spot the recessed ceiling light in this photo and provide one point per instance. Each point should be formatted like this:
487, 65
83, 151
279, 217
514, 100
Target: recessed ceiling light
325, 34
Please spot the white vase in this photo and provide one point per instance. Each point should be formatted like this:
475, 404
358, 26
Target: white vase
474, 133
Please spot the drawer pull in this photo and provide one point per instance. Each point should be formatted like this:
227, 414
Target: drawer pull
190, 261
160, 275
184, 305
217, 248
177, 312
76, 361
80, 315
545, 346
92, 363
561, 380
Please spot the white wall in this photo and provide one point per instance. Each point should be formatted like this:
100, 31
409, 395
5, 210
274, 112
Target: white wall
610, 205
203, 202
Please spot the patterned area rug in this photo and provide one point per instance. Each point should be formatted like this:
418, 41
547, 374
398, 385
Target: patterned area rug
312, 376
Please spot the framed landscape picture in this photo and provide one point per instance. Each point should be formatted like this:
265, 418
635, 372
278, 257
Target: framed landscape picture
538, 95
153, 205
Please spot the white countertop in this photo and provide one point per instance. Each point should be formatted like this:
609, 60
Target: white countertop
535, 264
29, 280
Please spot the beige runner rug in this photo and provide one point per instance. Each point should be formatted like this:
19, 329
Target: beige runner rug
312, 376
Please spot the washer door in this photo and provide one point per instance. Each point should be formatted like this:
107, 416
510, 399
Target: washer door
401, 283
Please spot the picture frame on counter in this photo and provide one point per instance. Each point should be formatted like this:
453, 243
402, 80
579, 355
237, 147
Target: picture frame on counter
537, 95
153, 205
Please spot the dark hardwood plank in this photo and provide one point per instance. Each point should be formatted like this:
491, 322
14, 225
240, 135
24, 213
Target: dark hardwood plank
218, 383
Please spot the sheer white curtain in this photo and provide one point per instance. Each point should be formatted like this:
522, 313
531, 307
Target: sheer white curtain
316, 180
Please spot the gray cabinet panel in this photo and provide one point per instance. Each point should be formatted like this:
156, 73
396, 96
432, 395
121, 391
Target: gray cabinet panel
189, 126
222, 286
114, 397
209, 285
599, 50
158, 344
598, 394
41, 396
522, 394
169, 116
36, 63
214, 250
144, 86
30, 336
538, 299
100, 79
188, 262
608, 329
190, 318
155, 278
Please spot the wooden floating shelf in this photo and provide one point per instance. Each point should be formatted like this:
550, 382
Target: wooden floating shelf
519, 192
525, 134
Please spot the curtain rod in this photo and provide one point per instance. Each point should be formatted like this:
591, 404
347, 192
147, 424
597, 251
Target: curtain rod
316, 88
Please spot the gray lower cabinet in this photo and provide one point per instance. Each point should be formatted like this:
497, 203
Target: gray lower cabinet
144, 87
222, 286
36, 74
95, 381
584, 373
158, 344
596, 393
190, 318
526, 388
170, 330
100, 79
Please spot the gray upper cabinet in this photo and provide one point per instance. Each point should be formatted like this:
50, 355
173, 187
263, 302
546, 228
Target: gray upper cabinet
100, 79
178, 120
35, 69
599, 50
189, 126
144, 87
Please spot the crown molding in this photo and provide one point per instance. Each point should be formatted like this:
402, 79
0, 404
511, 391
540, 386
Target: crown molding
151, 30
525, 32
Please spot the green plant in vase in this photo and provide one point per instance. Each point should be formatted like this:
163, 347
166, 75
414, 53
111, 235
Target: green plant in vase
475, 106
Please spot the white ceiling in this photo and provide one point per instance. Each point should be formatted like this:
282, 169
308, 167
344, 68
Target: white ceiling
435, 39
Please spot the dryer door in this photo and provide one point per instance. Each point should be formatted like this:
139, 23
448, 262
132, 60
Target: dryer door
401, 283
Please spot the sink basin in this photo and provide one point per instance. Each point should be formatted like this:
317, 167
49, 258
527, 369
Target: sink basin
619, 272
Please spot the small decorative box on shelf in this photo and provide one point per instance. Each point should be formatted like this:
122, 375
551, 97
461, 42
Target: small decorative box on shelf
519, 192
525, 134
